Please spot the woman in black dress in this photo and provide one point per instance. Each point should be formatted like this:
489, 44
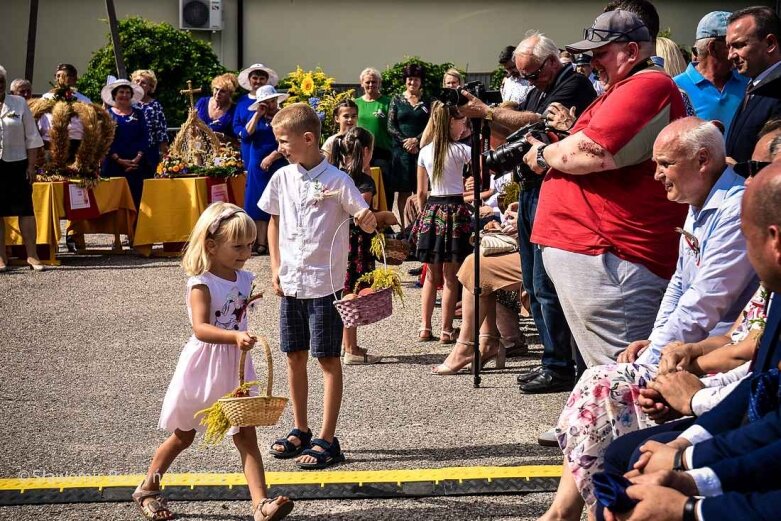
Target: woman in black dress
407, 117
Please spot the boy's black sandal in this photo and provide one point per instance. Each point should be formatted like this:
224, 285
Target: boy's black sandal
291, 450
330, 455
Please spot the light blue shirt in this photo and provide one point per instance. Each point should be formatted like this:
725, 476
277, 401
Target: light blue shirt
711, 286
710, 102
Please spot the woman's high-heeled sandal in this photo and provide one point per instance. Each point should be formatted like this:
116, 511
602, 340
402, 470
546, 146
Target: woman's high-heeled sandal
448, 337
445, 370
424, 334
499, 356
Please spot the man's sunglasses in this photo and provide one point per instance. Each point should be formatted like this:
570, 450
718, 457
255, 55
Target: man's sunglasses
750, 168
536, 74
606, 35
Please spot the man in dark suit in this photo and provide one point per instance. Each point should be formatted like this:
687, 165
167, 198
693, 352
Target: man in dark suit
754, 42
732, 463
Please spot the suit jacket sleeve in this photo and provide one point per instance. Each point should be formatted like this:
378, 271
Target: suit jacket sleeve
729, 414
739, 442
755, 471
732, 506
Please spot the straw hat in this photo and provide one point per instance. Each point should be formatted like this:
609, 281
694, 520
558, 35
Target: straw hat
113, 84
265, 93
273, 77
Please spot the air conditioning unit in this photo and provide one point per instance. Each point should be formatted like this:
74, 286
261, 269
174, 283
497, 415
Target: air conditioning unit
200, 15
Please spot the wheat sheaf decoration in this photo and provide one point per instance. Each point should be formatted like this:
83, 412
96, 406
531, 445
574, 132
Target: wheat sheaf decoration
195, 143
97, 137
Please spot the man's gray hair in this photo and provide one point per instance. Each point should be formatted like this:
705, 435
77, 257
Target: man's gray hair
696, 133
541, 49
3, 74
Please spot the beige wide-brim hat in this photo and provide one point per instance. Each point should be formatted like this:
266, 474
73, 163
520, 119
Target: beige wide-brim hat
273, 77
105, 92
265, 93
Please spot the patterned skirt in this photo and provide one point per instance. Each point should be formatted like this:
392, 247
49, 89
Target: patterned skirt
359, 260
443, 230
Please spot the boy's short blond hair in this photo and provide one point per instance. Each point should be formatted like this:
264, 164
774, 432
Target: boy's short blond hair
298, 118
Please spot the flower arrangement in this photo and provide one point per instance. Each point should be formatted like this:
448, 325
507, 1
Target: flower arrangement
316, 89
381, 278
171, 166
303, 85
226, 163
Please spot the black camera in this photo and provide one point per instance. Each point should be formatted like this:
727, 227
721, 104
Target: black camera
454, 98
510, 155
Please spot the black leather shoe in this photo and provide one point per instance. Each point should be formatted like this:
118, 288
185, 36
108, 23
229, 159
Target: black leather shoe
548, 382
531, 375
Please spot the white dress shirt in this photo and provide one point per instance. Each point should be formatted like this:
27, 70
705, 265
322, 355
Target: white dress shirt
312, 246
18, 132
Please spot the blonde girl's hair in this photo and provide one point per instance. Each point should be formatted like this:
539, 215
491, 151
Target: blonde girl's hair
220, 222
438, 128
148, 75
348, 150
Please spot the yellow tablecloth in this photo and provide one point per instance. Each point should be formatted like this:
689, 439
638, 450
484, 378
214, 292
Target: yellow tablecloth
379, 202
171, 207
115, 203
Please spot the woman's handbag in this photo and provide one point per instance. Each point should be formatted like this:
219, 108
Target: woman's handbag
497, 243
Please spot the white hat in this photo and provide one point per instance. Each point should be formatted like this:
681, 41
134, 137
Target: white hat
112, 84
273, 78
267, 92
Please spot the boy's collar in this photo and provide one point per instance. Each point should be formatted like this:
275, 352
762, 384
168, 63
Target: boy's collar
318, 169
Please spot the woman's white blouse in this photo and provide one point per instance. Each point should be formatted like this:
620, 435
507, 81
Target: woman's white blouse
18, 131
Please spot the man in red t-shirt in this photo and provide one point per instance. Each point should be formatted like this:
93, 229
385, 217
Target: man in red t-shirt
606, 227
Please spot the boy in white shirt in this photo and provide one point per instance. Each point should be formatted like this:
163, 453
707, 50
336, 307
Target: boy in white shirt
307, 201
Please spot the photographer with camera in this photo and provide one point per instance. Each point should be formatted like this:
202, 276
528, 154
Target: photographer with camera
537, 60
606, 228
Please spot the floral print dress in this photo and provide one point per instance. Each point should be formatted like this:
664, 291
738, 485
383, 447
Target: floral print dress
603, 406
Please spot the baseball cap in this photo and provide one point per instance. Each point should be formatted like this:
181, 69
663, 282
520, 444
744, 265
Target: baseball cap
583, 59
612, 26
712, 25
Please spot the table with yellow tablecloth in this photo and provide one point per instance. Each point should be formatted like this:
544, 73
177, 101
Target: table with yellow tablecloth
117, 214
171, 207
379, 202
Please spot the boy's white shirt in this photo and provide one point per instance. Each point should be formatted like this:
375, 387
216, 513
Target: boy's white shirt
311, 204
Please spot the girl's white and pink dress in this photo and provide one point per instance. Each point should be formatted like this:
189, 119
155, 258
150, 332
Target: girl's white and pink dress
207, 372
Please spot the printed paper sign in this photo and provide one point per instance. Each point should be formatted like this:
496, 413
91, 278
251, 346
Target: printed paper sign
219, 192
79, 197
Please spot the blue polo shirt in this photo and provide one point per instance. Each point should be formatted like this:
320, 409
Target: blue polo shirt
708, 101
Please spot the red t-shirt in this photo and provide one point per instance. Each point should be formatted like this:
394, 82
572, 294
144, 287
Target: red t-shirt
623, 211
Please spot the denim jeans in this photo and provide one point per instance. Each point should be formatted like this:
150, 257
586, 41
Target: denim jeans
546, 310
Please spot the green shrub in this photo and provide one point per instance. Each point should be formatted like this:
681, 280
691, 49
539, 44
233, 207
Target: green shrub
496, 77
174, 55
393, 77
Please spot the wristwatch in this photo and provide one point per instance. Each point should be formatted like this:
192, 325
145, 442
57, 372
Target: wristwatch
489, 114
541, 159
690, 509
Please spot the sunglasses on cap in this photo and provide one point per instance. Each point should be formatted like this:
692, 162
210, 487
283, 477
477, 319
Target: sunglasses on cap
536, 74
606, 35
750, 168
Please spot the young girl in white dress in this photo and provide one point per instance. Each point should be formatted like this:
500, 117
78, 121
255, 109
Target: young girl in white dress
217, 294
